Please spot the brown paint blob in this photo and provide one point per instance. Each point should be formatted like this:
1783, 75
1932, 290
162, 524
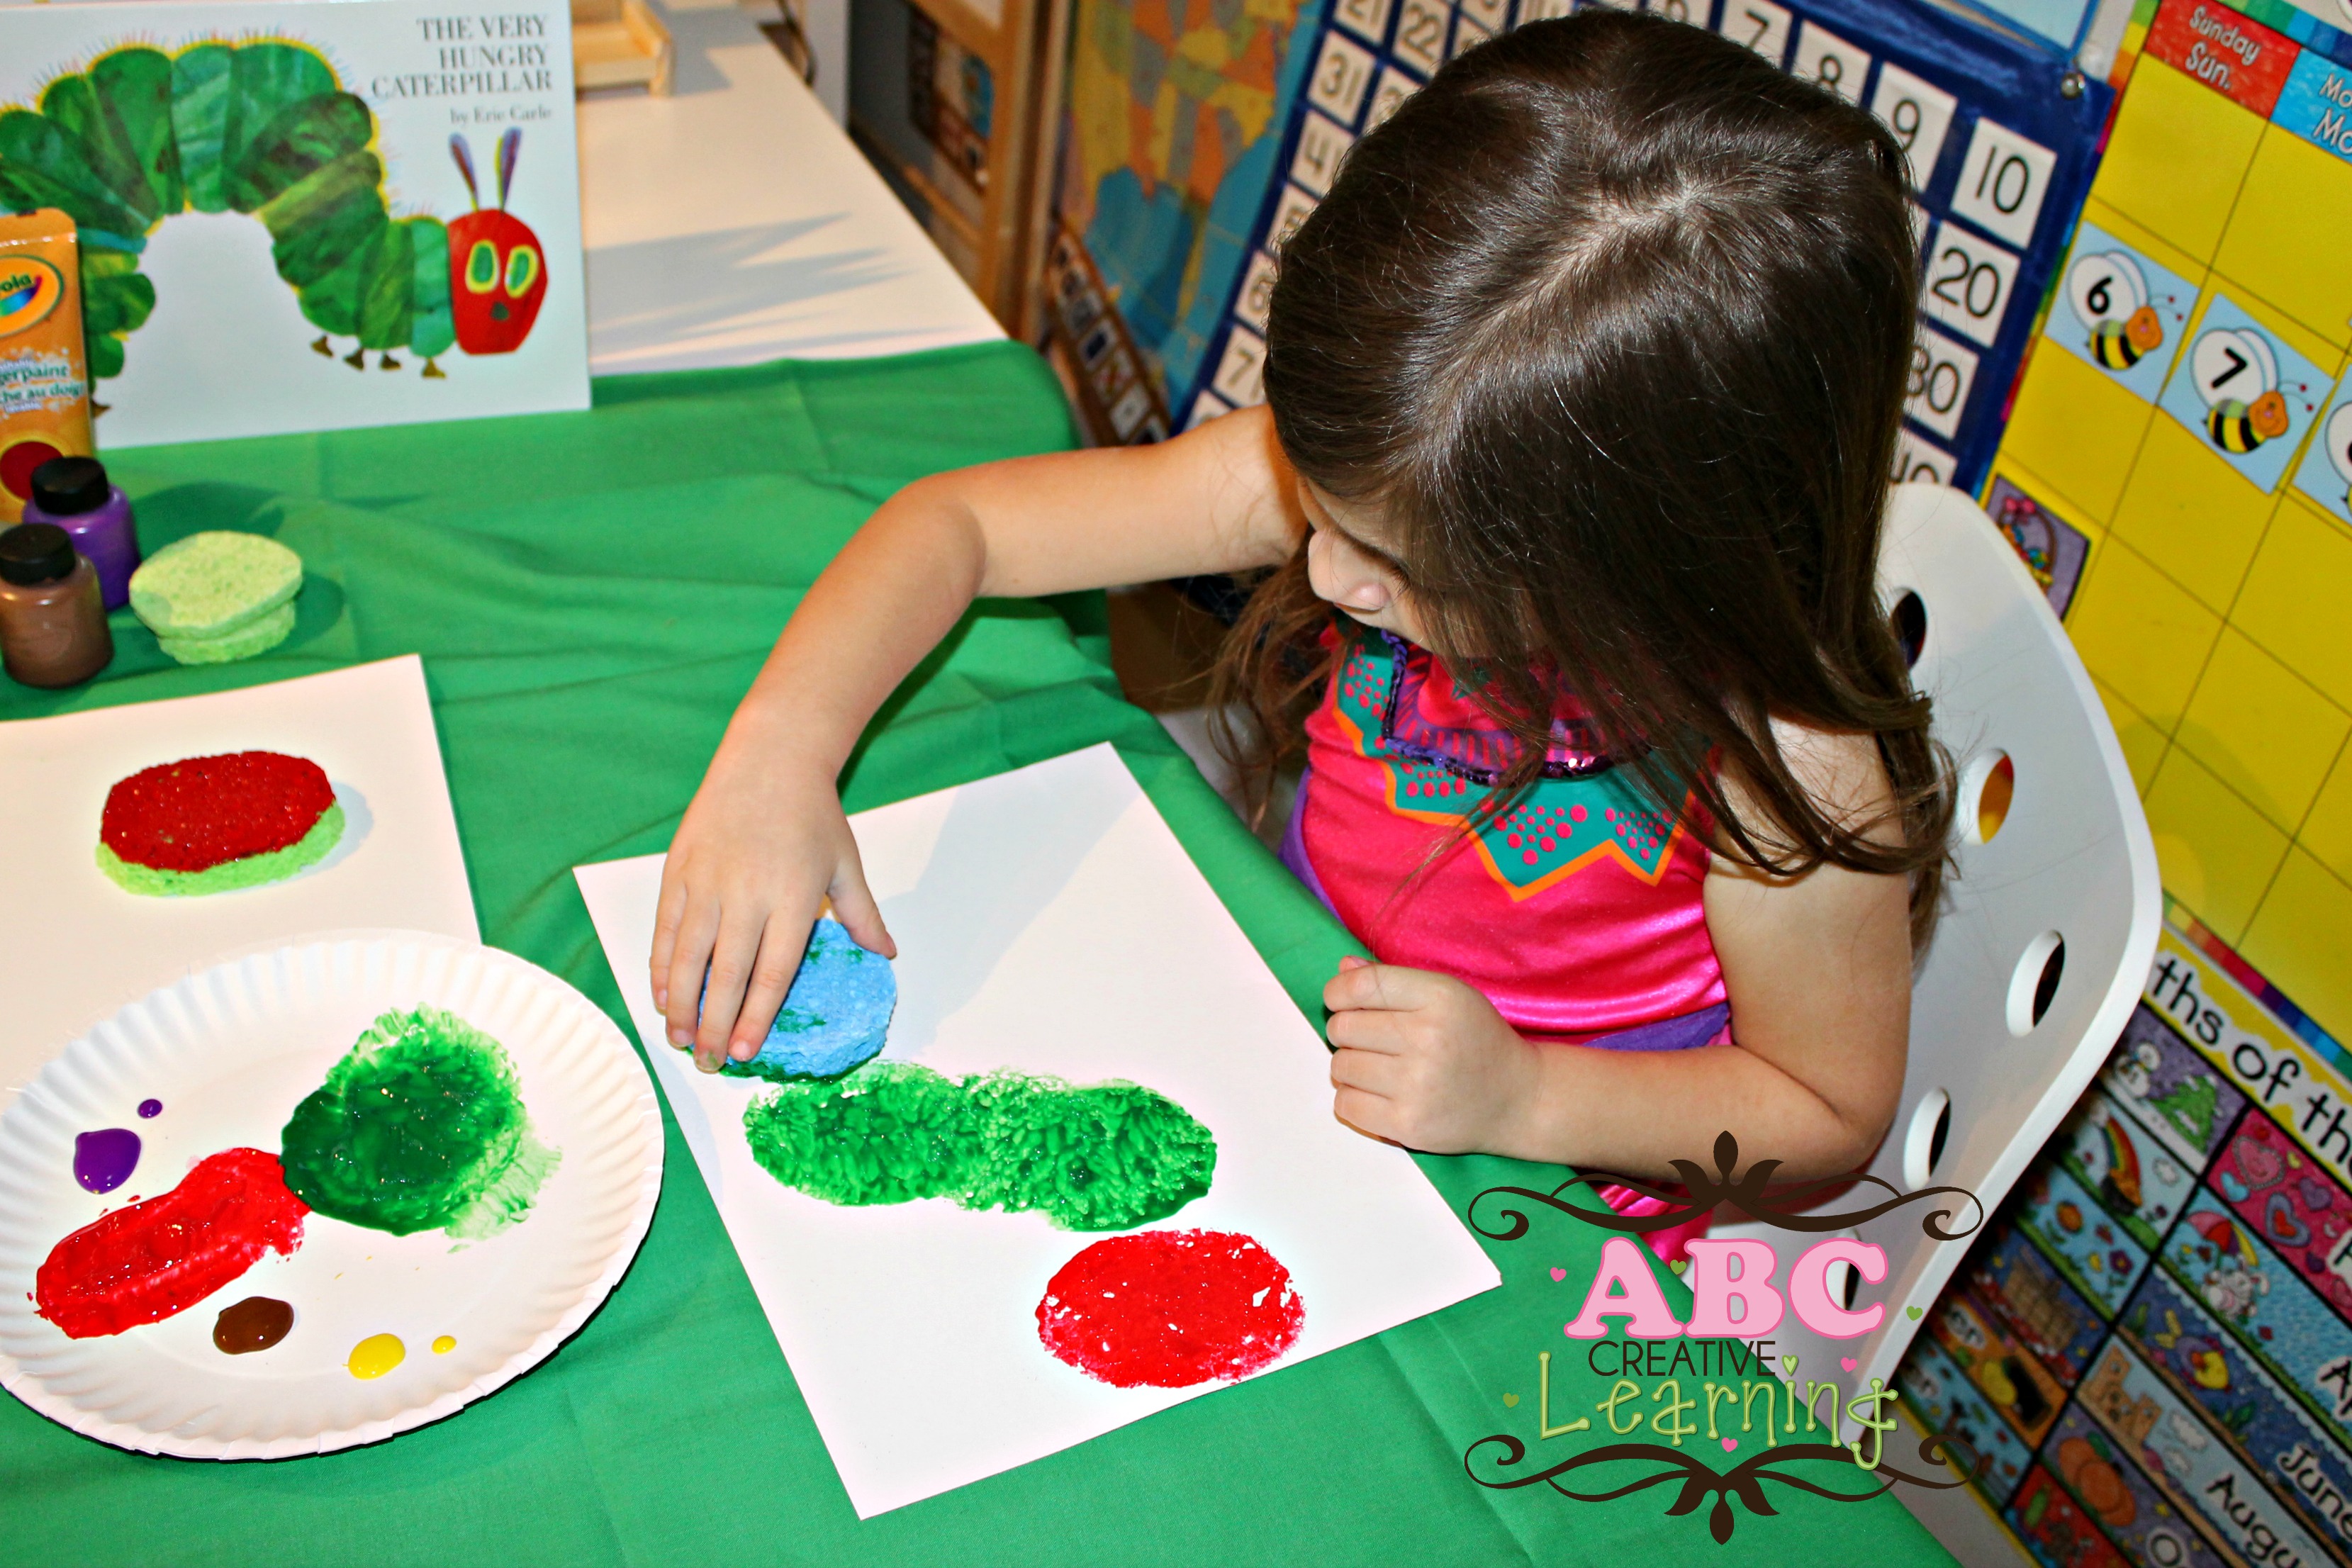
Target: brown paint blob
253, 1324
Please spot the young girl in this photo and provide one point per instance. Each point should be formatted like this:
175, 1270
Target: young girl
1581, 393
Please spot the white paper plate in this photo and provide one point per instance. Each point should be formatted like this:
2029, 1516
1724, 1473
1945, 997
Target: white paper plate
230, 1051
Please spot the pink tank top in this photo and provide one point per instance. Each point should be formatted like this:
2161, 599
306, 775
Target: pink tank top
1580, 913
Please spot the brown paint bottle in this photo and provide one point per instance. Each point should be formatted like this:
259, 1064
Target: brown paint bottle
53, 628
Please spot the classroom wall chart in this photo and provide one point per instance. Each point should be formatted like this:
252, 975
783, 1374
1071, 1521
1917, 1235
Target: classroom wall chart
363, 215
2003, 134
2180, 456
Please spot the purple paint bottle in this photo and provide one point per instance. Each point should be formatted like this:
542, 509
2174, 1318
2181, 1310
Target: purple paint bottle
75, 494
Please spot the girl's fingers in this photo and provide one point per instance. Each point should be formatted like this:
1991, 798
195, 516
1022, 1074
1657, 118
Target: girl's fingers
668, 911
1372, 985
854, 907
1364, 1030
1367, 1114
697, 925
731, 957
782, 946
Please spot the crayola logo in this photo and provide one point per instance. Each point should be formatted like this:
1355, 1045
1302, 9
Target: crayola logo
29, 291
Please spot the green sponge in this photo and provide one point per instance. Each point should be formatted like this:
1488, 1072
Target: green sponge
209, 584
244, 642
252, 871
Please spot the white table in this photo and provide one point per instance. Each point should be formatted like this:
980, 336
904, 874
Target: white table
733, 222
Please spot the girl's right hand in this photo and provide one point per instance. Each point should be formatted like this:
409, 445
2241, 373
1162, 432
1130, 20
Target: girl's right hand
760, 848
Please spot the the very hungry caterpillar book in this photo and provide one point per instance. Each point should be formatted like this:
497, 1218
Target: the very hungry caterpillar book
306, 215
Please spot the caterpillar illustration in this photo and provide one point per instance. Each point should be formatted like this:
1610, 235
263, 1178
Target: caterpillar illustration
264, 127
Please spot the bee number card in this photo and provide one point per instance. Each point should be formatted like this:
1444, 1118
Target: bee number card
306, 215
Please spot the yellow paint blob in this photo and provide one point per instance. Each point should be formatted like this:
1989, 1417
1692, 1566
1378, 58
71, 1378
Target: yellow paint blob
445, 1344
376, 1355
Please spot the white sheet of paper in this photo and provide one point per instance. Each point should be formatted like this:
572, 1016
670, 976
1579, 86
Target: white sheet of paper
1047, 921
74, 947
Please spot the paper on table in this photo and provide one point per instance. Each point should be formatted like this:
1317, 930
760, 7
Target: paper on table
1047, 921
74, 947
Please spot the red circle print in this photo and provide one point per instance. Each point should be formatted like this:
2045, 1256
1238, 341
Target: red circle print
1168, 1309
201, 812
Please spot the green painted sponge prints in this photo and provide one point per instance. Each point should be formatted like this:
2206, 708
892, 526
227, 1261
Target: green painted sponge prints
420, 1126
1107, 1157
250, 871
209, 584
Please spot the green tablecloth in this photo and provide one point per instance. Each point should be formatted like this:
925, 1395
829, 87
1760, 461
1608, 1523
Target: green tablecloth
591, 593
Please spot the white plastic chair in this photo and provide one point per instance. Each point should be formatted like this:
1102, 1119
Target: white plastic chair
2048, 928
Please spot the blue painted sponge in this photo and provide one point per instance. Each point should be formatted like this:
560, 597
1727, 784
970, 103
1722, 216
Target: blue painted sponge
835, 1018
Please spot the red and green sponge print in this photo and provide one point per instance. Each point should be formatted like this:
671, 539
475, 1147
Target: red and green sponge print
211, 824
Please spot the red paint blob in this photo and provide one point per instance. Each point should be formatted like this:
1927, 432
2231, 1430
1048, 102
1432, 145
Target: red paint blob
1168, 1309
202, 812
144, 1263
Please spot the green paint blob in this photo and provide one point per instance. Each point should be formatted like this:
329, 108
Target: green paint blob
1108, 1157
419, 1127
791, 1021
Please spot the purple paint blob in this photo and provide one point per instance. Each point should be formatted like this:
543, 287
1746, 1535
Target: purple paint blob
103, 1161
149, 1109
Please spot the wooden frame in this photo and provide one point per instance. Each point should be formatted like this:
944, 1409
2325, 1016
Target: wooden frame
1024, 44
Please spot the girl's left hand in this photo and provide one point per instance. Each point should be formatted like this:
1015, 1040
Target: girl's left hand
1422, 1059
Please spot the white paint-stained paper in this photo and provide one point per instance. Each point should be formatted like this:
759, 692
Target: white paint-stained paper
74, 946
1048, 920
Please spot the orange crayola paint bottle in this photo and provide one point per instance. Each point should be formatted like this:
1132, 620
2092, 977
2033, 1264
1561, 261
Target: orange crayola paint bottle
44, 367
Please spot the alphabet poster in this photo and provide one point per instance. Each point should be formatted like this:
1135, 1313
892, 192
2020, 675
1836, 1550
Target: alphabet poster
307, 216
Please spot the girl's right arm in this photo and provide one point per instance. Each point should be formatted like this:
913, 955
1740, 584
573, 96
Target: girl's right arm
764, 841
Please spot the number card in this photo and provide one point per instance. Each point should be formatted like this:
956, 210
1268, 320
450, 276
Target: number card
1241, 373
1757, 25
1968, 283
1205, 407
1368, 19
1467, 34
1492, 15
1920, 115
1288, 214
1389, 97
2002, 181
2243, 392
2120, 310
1918, 462
1322, 145
1257, 292
1824, 58
1695, 12
2327, 472
1342, 71
1420, 39
1544, 10
1942, 371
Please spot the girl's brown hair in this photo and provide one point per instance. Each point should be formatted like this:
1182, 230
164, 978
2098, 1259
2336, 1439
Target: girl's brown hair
1613, 322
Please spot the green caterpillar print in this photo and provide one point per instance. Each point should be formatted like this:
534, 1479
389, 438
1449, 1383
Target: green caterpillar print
260, 127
